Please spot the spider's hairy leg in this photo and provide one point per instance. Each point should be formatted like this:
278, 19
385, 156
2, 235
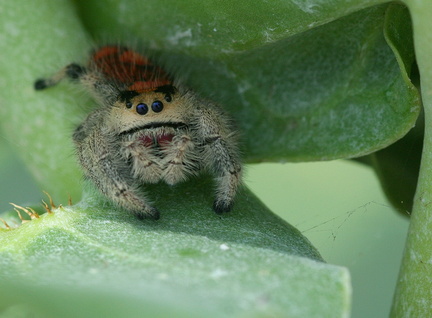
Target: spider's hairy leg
103, 166
103, 89
180, 160
72, 71
145, 164
222, 157
227, 168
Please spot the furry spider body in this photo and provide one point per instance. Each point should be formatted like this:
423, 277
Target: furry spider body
148, 130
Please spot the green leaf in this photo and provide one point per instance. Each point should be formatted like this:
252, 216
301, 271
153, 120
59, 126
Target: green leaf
210, 28
397, 166
333, 91
304, 82
248, 262
413, 294
36, 43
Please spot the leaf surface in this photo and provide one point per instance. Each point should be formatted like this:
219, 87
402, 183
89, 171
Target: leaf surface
248, 262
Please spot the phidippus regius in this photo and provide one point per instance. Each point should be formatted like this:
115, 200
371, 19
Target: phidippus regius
146, 130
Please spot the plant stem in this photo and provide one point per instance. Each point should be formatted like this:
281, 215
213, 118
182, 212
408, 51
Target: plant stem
413, 294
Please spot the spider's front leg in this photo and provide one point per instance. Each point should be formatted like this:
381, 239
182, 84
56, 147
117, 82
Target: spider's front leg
103, 165
145, 164
72, 71
221, 155
179, 159
102, 90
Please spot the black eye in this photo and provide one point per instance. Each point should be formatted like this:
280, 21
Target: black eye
128, 104
142, 109
157, 106
168, 97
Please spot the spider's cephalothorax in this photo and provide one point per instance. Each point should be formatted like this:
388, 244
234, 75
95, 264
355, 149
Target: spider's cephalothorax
146, 130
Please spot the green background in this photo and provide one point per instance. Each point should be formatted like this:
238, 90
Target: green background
335, 206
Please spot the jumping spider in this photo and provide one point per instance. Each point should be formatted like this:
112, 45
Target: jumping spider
148, 130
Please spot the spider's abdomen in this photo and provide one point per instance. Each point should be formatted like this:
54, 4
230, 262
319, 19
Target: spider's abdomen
129, 67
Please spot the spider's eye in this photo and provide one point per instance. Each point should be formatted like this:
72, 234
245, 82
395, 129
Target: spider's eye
157, 106
142, 109
168, 97
128, 104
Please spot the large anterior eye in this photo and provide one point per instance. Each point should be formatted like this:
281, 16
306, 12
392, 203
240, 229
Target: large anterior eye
157, 106
142, 109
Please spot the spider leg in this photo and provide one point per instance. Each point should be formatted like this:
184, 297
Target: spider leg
102, 89
179, 160
107, 169
145, 164
221, 155
72, 71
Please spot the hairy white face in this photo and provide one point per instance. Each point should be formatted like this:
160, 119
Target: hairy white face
149, 109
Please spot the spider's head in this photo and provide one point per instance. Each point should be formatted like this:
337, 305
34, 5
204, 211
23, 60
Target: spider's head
140, 110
